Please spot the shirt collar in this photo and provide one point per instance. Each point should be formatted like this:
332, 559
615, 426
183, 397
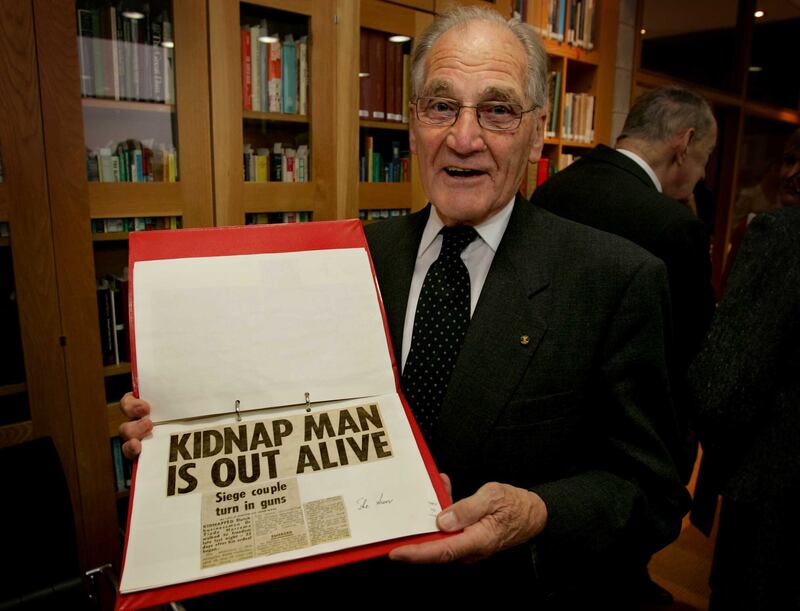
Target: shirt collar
642, 164
490, 231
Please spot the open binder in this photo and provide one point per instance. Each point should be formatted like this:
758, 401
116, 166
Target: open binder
282, 444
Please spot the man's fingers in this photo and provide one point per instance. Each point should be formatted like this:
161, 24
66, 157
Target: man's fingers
133, 407
131, 449
447, 485
469, 545
471, 509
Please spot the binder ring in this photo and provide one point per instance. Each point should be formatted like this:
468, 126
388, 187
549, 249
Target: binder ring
308, 402
236, 409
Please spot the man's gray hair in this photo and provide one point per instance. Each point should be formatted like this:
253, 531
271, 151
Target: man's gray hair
660, 114
535, 88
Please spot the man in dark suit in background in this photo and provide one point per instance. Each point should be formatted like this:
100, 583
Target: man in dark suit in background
636, 191
531, 347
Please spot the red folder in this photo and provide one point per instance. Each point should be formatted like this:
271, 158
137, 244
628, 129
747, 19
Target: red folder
185, 243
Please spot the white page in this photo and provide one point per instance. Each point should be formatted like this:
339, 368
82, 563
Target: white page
263, 329
384, 499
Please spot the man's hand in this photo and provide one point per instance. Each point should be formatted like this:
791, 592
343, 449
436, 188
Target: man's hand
137, 411
496, 517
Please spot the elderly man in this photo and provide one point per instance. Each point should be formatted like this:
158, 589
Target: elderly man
636, 192
531, 347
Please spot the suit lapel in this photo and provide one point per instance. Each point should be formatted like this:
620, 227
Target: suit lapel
504, 333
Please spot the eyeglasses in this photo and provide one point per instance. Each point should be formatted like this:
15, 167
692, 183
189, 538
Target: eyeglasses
494, 116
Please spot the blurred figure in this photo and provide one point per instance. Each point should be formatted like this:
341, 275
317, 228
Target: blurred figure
747, 388
780, 187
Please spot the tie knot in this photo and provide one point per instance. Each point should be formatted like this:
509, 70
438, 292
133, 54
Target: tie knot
455, 239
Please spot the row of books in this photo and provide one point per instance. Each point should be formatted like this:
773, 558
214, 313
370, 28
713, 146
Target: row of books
112, 307
385, 213
125, 55
132, 161
138, 223
384, 78
123, 468
570, 21
274, 74
271, 218
376, 167
554, 98
279, 165
578, 122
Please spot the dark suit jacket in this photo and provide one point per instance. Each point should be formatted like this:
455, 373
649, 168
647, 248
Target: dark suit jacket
576, 413
607, 190
748, 392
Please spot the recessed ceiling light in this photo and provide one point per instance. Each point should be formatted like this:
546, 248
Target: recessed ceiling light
399, 38
759, 14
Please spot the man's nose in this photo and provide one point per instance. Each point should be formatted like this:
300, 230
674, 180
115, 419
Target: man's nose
466, 134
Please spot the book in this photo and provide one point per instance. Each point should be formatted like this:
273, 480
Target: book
289, 75
274, 75
302, 75
247, 71
255, 67
312, 500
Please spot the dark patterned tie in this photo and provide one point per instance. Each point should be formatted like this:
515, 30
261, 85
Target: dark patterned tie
440, 325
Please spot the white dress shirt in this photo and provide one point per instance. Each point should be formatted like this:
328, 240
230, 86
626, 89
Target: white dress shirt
643, 164
477, 256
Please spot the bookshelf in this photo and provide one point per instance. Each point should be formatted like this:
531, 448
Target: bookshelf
244, 130
582, 66
48, 203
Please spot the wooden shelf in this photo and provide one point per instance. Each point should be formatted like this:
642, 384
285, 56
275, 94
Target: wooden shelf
114, 236
115, 370
106, 104
12, 434
560, 49
577, 144
403, 127
277, 117
132, 199
115, 418
13, 389
382, 195
279, 196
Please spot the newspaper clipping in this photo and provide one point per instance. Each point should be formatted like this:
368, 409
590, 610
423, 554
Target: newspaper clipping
248, 477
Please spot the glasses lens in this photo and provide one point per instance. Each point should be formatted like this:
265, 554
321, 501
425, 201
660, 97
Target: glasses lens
499, 115
437, 111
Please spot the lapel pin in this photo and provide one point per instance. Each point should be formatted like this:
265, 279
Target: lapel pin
524, 340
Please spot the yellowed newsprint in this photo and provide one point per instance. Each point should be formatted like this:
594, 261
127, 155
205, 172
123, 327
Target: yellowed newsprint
240, 523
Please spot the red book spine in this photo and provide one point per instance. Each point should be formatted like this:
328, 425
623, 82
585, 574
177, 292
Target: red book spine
247, 74
542, 170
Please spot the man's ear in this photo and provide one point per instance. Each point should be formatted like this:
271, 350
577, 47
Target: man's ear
537, 144
680, 144
412, 136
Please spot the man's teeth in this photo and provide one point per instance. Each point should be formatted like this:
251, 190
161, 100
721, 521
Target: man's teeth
462, 171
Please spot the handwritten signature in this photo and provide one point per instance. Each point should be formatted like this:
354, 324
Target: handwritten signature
362, 502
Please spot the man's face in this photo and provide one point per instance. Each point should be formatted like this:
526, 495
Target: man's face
470, 173
684, 178
789, 190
